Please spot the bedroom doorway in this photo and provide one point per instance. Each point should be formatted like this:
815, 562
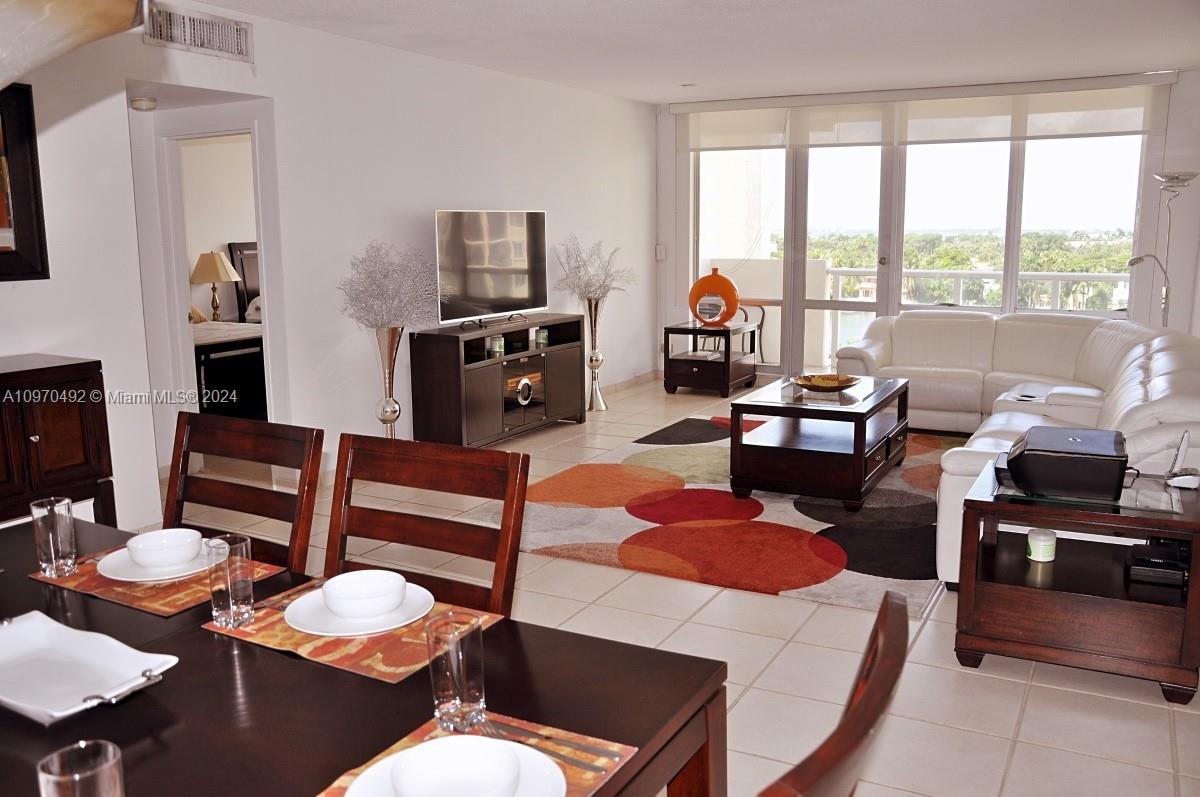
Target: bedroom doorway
220, 232
208, 239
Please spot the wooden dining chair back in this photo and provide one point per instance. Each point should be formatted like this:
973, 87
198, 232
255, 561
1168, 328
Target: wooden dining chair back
834, 768
496, 475
275, 444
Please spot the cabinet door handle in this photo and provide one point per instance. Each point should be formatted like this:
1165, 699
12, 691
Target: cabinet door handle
34, 438
695, 370
878, 457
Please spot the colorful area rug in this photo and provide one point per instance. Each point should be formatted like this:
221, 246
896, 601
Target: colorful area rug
662, 504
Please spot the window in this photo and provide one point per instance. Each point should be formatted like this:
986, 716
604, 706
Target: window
741, 228
843, 223
1078, 211
955, 202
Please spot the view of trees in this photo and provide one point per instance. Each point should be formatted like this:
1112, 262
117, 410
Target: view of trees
1041, 252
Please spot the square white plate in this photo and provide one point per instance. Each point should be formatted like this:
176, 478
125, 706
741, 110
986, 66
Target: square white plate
49, 671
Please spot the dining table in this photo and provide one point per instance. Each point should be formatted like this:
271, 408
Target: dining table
236, 718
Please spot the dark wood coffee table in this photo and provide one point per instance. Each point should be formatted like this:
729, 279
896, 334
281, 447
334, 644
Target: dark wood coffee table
824, 445
1078, 610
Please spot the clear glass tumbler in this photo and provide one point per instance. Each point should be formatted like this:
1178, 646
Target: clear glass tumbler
455, 640
54, 534
231, 578
85, 769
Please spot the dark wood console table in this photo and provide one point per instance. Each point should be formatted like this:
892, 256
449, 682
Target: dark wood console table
1078, 610
464, 395
710, 362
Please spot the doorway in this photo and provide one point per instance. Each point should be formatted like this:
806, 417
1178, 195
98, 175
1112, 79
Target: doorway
208, 239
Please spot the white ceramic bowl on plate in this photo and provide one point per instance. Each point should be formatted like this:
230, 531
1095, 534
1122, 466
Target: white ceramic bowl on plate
457, 766
164, 548
361, 594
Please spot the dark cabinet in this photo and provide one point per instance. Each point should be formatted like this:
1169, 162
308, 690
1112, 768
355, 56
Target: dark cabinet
54, 434
464, 393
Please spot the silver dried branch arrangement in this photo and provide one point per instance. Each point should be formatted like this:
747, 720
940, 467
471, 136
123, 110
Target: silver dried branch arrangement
390, 288
590, 274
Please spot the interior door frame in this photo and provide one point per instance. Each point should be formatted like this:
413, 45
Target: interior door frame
154, 139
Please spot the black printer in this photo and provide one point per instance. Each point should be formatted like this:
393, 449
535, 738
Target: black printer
1066, 463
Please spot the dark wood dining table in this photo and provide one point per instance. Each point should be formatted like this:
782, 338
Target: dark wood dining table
235, 718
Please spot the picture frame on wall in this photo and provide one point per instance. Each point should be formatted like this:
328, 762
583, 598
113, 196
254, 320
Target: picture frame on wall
22, 224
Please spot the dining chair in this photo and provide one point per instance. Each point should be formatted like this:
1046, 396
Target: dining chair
834, 768
275, 444
496, 475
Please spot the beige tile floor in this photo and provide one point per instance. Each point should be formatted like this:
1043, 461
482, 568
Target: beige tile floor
1010, 728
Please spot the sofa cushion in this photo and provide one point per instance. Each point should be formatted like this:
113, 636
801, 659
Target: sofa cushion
944, 338
934, 388
1103, 353
1011, 425
1046, 344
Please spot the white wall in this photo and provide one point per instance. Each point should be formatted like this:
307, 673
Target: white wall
217, 178
370, 141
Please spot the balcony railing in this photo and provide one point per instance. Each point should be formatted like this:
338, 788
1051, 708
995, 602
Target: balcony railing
836, 279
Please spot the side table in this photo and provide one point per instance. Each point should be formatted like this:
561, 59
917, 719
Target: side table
1078, 610
710, 361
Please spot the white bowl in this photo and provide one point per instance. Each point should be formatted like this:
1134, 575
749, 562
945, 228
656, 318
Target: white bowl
457, 766
164, 548
361, 594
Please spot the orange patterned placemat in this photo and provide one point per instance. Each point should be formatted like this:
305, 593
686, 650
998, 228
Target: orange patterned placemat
391, 656
164, 598
580, 782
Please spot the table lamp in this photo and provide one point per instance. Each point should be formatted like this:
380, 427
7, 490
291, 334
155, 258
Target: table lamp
214, 267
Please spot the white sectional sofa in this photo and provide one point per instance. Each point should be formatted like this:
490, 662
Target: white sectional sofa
997, 376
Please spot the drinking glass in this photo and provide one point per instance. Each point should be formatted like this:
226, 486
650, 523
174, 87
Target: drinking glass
455, 640
231, 578
54, 534
85, 769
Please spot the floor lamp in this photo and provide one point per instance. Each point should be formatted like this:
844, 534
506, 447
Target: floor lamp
1173, 184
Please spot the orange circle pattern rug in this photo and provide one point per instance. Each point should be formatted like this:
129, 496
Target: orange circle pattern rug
662, 505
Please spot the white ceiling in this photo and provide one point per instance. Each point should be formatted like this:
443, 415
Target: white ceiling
644, 49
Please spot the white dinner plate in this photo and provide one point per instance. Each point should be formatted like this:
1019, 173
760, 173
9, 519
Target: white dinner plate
49, 671
310, 615
540, 776
120, 567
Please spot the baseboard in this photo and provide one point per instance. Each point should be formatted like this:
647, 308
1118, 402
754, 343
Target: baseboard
617, 387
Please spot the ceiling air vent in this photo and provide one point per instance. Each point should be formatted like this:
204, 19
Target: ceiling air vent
199, 33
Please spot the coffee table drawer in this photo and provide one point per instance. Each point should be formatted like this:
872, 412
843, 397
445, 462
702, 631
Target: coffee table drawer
876, 458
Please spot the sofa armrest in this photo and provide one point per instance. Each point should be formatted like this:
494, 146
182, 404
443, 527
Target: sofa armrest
1152, 449
964, 461
871, 353
1072, 396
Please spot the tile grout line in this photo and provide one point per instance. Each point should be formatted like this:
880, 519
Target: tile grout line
1016, 733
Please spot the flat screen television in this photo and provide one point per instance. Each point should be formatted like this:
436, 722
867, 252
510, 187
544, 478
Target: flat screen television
490, 262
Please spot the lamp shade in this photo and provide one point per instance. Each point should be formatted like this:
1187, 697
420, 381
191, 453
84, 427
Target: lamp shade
213, 267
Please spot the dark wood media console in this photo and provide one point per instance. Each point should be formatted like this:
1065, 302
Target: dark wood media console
463, 396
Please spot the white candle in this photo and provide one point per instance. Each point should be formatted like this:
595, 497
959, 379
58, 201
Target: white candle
1040, 544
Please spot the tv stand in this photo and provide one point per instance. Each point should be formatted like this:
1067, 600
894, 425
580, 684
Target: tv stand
462, 396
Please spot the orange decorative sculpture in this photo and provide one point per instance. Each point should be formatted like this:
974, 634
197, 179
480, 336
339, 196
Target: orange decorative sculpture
713, 299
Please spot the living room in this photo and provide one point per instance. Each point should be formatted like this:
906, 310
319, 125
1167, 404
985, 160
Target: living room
978, 213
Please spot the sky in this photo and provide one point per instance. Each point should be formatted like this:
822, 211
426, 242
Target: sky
1076, 184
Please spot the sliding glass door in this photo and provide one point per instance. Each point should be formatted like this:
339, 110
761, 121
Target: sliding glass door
839, 278
740, 214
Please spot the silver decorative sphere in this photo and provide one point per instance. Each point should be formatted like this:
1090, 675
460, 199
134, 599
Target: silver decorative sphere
595, 360
388, 410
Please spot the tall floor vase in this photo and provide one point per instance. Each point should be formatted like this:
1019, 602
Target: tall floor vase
388, 409
595, 358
